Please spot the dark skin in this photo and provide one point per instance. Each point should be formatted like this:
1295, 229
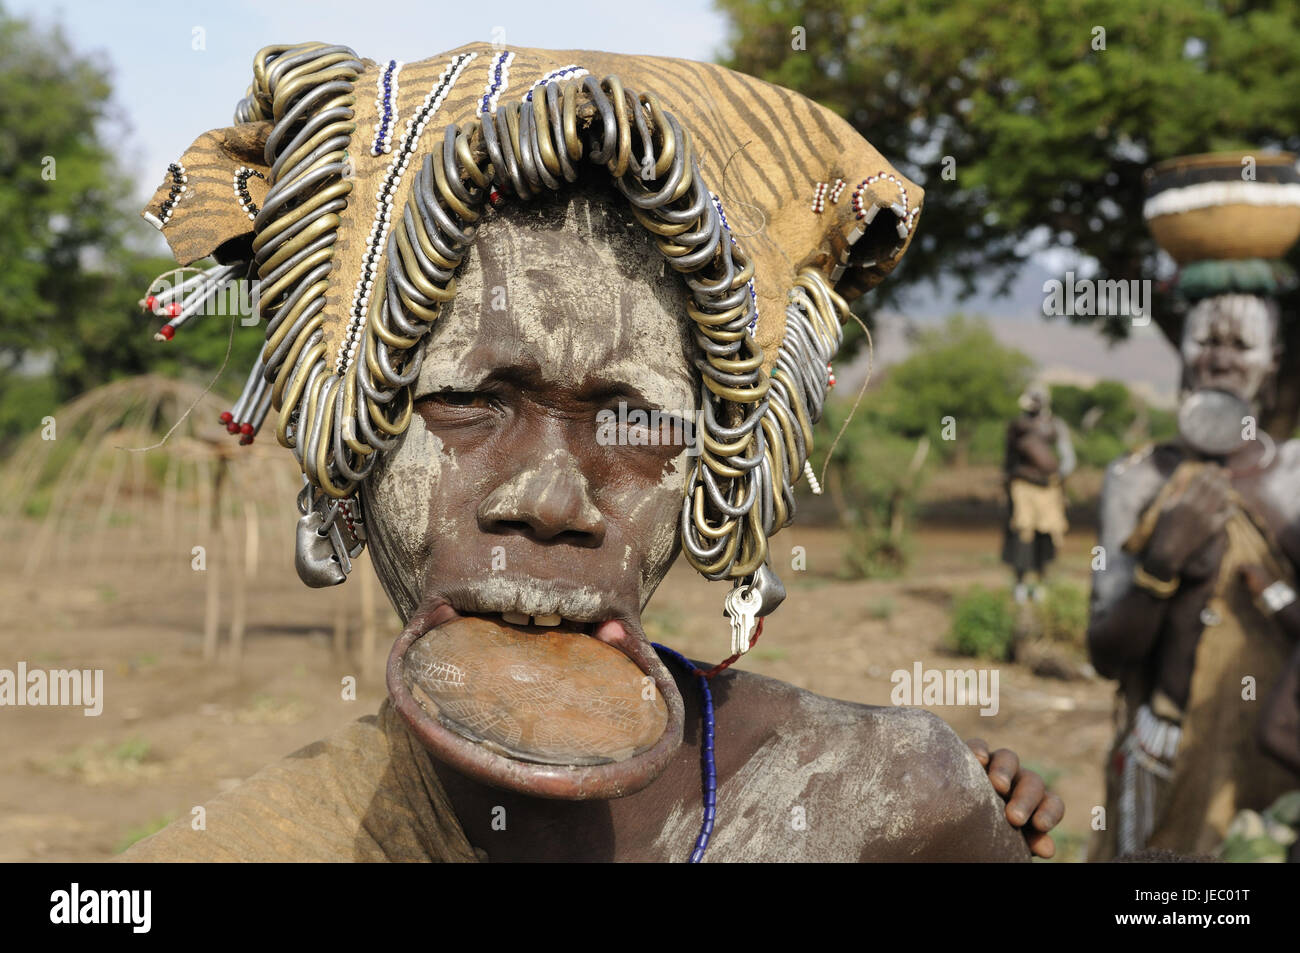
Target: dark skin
1279, 721
1188, 541
512, 415
627, 828
1031, 808
1038, 451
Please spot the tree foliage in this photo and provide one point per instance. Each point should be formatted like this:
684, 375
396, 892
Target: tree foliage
71, 275
1048, 130
958, 372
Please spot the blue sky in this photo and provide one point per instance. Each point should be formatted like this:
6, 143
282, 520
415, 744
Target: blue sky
167, 92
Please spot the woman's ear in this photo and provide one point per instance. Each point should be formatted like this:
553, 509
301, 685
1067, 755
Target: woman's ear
211, 194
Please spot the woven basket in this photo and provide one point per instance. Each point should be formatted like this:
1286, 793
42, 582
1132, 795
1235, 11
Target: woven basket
1250, 219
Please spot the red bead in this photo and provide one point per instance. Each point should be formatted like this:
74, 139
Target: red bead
150, 303
246, 440
232, 427
226, 417
167, 331
246, 429
494, 196
173, 309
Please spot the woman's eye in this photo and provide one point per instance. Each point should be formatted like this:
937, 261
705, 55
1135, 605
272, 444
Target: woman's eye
456, 398
460, 400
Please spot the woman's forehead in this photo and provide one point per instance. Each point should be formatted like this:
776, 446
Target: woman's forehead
576, 295
1246, 316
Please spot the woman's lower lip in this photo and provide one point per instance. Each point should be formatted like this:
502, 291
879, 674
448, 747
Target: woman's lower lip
440, 615
568, 782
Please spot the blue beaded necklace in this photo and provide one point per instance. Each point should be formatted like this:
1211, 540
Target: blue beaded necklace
706, 751
706, 755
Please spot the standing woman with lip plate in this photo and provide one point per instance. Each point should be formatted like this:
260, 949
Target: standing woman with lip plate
1194, 611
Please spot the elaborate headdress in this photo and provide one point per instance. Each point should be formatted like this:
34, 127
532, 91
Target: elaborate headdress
350, 190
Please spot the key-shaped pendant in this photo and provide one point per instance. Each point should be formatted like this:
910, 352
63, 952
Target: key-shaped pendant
742, 604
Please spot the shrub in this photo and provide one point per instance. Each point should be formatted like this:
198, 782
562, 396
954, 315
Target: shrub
882, 609
873, 554
983, 625
1063, 614
1097, 448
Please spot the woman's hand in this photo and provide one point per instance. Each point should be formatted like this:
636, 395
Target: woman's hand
1031, 808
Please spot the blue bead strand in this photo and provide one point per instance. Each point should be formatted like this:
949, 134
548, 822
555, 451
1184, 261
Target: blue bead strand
706, 754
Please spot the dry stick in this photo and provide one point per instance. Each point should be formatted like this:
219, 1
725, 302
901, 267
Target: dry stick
113, 417
111, 488
208, 523
245, 576
138, 475
239, 605
896, 501
138, 480
252, 538
211, 609
171, 486
284, 488
106, 505
339, 646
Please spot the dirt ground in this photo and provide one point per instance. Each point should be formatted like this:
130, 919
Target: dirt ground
175, 730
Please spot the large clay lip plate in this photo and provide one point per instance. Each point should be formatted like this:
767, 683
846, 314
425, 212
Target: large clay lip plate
561, 782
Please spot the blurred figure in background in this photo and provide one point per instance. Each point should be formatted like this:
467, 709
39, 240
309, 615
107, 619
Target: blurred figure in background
1039, 456
1194, 611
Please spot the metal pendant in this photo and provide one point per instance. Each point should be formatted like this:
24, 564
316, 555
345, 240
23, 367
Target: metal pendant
314, 556
322, 556
770, 589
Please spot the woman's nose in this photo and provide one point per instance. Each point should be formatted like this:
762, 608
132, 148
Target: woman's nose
549, 500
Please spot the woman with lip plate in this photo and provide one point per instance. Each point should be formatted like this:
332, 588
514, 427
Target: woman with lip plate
468, 267
1195, 611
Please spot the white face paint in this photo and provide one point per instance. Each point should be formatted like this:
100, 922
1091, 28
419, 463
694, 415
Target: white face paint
561, 310
1228, 344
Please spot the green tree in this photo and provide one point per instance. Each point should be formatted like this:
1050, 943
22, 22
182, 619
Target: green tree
72, 276
1045, 114
60, 203
957, 377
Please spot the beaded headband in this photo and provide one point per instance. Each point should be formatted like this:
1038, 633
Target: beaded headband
353, 221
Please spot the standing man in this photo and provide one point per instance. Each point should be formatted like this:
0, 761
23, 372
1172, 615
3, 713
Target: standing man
1039, 456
